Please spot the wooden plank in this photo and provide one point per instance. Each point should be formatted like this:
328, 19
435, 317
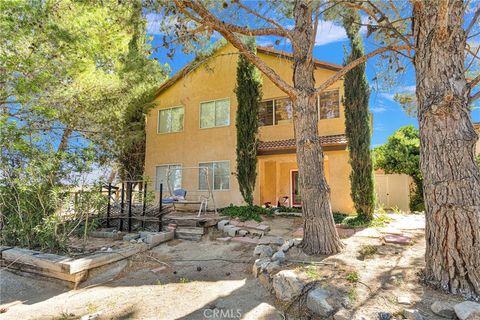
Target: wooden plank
103, 258
23, 267
49, 261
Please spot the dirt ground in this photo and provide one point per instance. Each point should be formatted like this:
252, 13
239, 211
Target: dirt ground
212, 280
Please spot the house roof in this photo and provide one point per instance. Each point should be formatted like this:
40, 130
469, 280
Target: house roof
191, 66
290, 144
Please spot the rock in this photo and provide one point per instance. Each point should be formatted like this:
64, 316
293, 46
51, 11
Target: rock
412, 314
443, 309
224, 239
404, 300
317, 302
287, 245
279, 256
264, 280
272, 267
342, 314
287, 284
103, 248
263, 251
221, 225
109, 249
384, 315
93, 316
133, 241
243, 232
140, 240
259, 265
467, 310
296, 242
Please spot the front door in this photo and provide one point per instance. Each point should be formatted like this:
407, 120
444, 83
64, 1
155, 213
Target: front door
296, 197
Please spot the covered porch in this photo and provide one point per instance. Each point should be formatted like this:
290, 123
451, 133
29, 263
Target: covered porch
277, 180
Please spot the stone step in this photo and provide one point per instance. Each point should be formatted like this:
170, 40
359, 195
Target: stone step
190, 233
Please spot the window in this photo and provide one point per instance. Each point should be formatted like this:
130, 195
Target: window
215, 113
266, 113
283, 111
329, 105
218, 175
174, 177
170, 120
278, 111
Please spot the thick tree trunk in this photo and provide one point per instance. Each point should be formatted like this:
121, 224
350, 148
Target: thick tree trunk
447, 139
320, 234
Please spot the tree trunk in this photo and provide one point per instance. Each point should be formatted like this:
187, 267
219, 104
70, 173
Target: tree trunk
320, 234
447, 139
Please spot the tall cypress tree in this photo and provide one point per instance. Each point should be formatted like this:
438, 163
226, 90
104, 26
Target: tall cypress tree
248, 93
357, 122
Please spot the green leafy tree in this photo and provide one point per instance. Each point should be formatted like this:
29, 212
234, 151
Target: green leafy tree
357, 121
401, 154
248, 93
75, 78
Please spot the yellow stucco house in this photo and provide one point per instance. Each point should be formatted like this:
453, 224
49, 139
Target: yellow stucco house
193, 125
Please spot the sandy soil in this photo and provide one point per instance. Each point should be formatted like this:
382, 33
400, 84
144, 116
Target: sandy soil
182, 290
212, 280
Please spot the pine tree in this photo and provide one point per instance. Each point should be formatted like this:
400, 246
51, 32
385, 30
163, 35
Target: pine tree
248, 93
357, 122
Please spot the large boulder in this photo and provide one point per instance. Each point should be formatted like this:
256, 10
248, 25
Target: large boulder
288, 284
467, 310
317, 303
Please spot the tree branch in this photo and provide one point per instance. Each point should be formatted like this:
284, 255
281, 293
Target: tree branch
232, 27
474, 20
474, 97
226, 31
474, 82
355, 63
383, 18
272, 22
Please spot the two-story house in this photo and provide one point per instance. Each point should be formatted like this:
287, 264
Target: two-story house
193, 125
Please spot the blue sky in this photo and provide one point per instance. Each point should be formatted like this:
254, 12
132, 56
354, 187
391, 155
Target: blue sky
331, 40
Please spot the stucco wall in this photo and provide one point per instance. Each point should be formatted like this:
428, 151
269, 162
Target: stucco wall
216, 80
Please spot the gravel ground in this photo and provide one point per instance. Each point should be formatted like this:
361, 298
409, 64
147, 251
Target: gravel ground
175, 289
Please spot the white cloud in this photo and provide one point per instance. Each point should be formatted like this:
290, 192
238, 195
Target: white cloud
399, 89
153, 23
328, 32
378, 109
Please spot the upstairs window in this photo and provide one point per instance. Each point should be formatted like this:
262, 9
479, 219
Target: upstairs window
170, 120
329, 104
215, 113
277, 111
218, 175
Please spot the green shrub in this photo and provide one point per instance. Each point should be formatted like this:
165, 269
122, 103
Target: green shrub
339, 217
353, 276
379, 220
286, 209
246, 212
